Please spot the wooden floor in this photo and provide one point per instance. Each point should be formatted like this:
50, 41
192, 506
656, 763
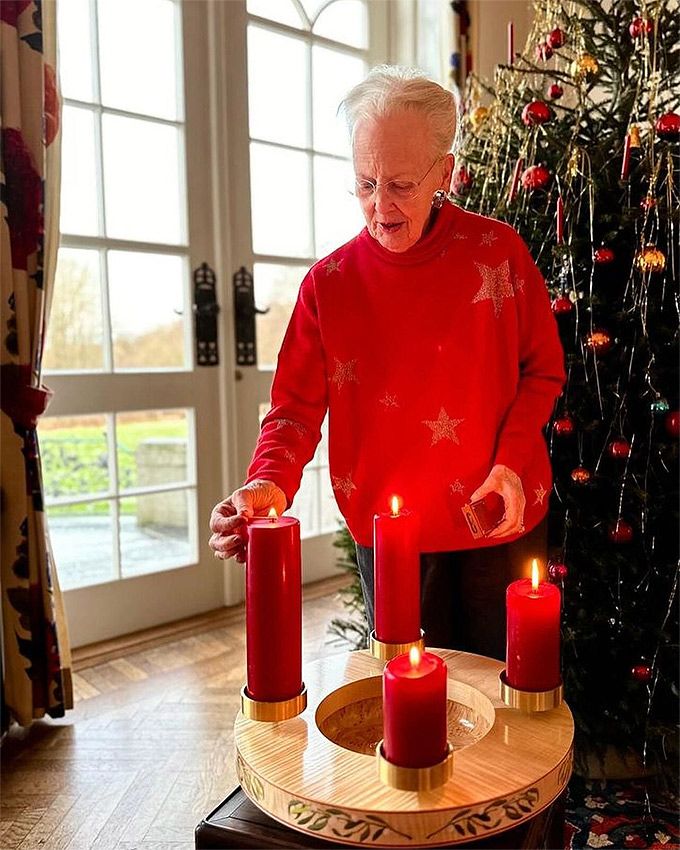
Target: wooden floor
148, 749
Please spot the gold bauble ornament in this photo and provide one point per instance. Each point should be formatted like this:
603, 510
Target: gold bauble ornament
478, 116
585, 66
651, 259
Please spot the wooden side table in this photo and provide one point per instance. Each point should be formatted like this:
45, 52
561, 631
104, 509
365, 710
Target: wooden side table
237, 822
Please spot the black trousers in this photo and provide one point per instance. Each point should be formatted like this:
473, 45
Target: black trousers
462, 594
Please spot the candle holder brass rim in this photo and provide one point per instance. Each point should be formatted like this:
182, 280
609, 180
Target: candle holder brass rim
272, 712
388, 651
414, 778
529, 701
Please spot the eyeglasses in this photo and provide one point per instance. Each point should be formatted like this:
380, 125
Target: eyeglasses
399, 190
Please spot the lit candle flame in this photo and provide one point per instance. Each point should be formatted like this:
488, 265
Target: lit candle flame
273, 516
534, 575
414, 656
396, 504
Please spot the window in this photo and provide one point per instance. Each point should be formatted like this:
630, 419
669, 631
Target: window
303, 57
120, 484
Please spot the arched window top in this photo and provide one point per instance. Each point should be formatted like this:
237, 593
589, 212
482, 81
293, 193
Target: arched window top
344, 21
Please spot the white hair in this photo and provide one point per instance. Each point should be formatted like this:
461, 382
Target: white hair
388, 88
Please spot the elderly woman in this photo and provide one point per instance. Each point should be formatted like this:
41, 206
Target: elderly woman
430, 340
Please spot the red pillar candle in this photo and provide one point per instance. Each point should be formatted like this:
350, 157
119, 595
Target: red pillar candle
273, 609
533, 651
397, 575
414, 709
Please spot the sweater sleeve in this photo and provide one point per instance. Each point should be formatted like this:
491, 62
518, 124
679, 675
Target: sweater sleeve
292, 427
541, 365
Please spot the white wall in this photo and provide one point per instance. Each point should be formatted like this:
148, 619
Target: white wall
489, 31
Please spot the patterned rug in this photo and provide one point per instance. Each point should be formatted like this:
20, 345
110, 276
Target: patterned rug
617, 815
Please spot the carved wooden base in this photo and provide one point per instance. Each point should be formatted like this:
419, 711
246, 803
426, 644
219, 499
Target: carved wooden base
318, 773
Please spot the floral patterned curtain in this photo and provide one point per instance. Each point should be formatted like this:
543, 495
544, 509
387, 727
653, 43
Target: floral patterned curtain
35, 650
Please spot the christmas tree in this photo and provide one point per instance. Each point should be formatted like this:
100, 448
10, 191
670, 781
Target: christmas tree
576, 145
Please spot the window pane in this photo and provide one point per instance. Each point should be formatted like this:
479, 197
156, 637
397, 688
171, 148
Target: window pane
305, 503
143, 180
75, 328
429, 25
75, 49
78, 173
282, 11
139, 56
155, 532
345, 21
75, 457
146, 293
277, 102
321, 454
82, 543
333, 75
330, 513
280, 201
276, 287
152, 448
337, 214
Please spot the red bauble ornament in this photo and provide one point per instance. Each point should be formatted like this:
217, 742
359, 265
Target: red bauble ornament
580, 475
535, 177
555, 91
622, 532
544, 51
668, 127
561, 305
648, 203
672, 424
564, 426
557, 571
556, 38
642, 672
536, 112
640, 26
599, 341
462, 181
620, 449
603, 255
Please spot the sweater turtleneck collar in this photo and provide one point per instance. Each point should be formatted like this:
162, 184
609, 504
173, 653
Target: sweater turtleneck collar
427, 247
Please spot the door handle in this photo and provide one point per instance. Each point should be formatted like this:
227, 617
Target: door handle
244, 318
205, 310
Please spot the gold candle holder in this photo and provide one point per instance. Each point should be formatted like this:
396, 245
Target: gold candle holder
387, 651
529, 701
414, 778
272, 712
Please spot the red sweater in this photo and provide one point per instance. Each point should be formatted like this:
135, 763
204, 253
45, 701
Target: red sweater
434, 364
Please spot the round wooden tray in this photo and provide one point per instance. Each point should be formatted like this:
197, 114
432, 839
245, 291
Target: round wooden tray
317, 772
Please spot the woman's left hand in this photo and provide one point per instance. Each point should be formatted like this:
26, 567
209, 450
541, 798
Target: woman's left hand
508, 485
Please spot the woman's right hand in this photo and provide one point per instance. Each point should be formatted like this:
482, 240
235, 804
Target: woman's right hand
229, 517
